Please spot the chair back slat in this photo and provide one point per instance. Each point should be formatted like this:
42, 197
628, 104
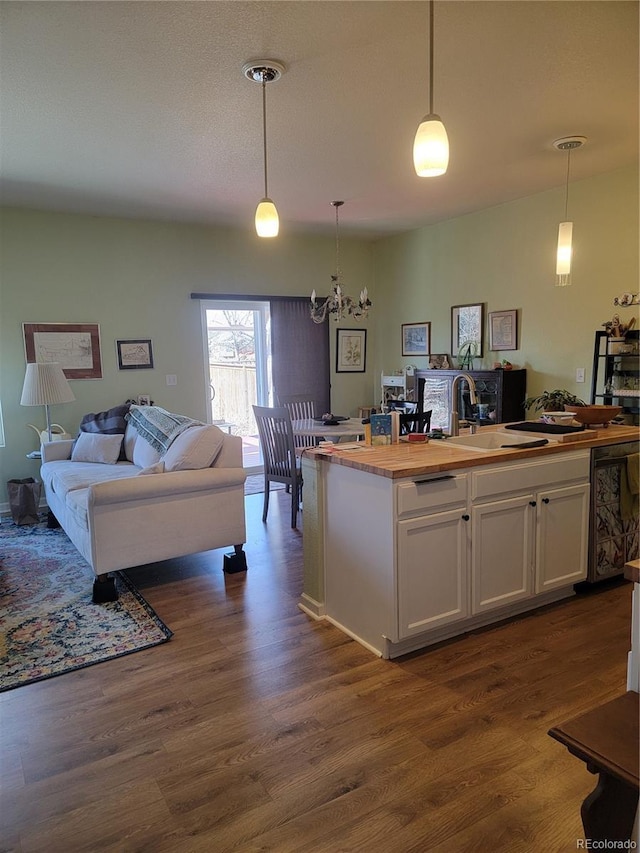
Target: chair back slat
301, 408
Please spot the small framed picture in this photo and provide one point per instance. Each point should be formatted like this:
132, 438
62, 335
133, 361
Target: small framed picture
351, 350
503, 329
144, 400
134, 355
439, 361
467, 327
416, 338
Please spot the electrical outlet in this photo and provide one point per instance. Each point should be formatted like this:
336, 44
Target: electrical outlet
579, 374
172, 379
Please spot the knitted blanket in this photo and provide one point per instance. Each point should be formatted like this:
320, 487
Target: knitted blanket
157, 426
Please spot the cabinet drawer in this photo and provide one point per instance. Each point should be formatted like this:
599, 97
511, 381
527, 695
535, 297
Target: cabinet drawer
528, 476
431, 493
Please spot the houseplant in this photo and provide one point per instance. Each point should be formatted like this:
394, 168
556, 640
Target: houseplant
552, 401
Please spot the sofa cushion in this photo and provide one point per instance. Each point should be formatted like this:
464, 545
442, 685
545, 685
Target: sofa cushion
96, 447
64, 476
158, 468
110, 422
195, 448
143, 454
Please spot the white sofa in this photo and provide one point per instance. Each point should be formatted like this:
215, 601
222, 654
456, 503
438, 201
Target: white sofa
129, 513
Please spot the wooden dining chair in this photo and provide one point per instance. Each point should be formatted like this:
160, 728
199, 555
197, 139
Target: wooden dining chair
301, 408
281, 463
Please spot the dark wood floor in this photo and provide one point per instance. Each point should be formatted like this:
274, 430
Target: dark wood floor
257, 729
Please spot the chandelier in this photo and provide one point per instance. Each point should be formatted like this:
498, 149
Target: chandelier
339, 305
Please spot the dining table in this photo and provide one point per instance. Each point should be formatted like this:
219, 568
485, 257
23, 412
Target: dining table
346, 428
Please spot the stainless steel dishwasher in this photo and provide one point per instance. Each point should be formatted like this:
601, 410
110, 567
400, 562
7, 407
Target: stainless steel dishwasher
613, 541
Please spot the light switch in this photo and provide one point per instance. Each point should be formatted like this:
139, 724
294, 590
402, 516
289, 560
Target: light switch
172, 379
579, 374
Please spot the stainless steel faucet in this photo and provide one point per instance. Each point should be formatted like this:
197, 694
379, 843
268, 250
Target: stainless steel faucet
454, 418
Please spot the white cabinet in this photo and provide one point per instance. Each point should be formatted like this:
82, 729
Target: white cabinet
432, 536
432, 571
412, 561
501, 552
562, 535
532, 542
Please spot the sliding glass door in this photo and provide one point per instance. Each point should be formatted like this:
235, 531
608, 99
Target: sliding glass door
237, 341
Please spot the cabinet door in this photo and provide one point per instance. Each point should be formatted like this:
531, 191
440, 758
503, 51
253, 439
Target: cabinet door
432, 571
502, 552
562, 536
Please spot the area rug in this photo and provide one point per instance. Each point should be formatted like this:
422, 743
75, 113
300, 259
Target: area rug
48, 622
254, 485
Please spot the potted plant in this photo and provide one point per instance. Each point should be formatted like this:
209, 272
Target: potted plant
553, 401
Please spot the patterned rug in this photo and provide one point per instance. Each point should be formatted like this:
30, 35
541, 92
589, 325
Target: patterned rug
48, 623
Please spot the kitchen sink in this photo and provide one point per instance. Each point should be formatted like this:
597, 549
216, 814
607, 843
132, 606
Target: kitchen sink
491, 441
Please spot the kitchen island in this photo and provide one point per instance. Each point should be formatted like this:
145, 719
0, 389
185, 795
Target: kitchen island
407, 545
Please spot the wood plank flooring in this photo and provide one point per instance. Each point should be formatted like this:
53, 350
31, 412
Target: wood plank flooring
258, 729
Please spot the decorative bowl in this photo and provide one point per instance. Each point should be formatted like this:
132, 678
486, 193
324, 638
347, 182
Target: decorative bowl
594, 415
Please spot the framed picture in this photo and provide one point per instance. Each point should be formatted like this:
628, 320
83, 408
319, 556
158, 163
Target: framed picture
134, 355
75, 346
439, 361
416, 338
503, 329
351, 350
467, 327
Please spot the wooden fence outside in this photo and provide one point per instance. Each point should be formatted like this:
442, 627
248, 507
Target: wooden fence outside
235, 394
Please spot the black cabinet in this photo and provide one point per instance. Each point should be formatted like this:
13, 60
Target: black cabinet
501, 395
615, 380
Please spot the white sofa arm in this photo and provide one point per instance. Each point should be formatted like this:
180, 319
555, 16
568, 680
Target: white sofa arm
171, 484
54, 451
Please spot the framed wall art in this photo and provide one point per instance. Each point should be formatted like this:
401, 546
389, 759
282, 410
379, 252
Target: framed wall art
351, 350
416, 338
467, 328
439, 361
503, 329
75, 346
135, 355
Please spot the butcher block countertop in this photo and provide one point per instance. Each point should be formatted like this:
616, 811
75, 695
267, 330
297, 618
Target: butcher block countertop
415, 459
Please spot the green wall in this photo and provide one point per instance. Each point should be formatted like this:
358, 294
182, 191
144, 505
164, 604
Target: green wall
134, 278
504, 257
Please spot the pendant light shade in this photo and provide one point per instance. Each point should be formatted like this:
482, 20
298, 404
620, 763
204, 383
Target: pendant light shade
267, 221
431, 143
564, 252
431, 148
265, 71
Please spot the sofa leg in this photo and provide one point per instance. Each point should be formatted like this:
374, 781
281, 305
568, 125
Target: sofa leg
104, 589
52, 521
235, 562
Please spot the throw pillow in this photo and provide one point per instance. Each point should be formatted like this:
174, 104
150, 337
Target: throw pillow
143, 454
158, 468
196, 447
110, 422
95, 447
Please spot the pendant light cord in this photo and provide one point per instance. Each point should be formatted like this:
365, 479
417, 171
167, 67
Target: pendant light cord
566, 198
431, 57
337, 245
264, 132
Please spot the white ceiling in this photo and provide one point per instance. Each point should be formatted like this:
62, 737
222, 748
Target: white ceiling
141, 109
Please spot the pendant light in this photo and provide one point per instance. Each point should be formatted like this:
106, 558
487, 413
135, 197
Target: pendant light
565, 229
265, 71
431, 143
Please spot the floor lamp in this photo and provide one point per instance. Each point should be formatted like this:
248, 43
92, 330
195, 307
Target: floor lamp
45, 385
